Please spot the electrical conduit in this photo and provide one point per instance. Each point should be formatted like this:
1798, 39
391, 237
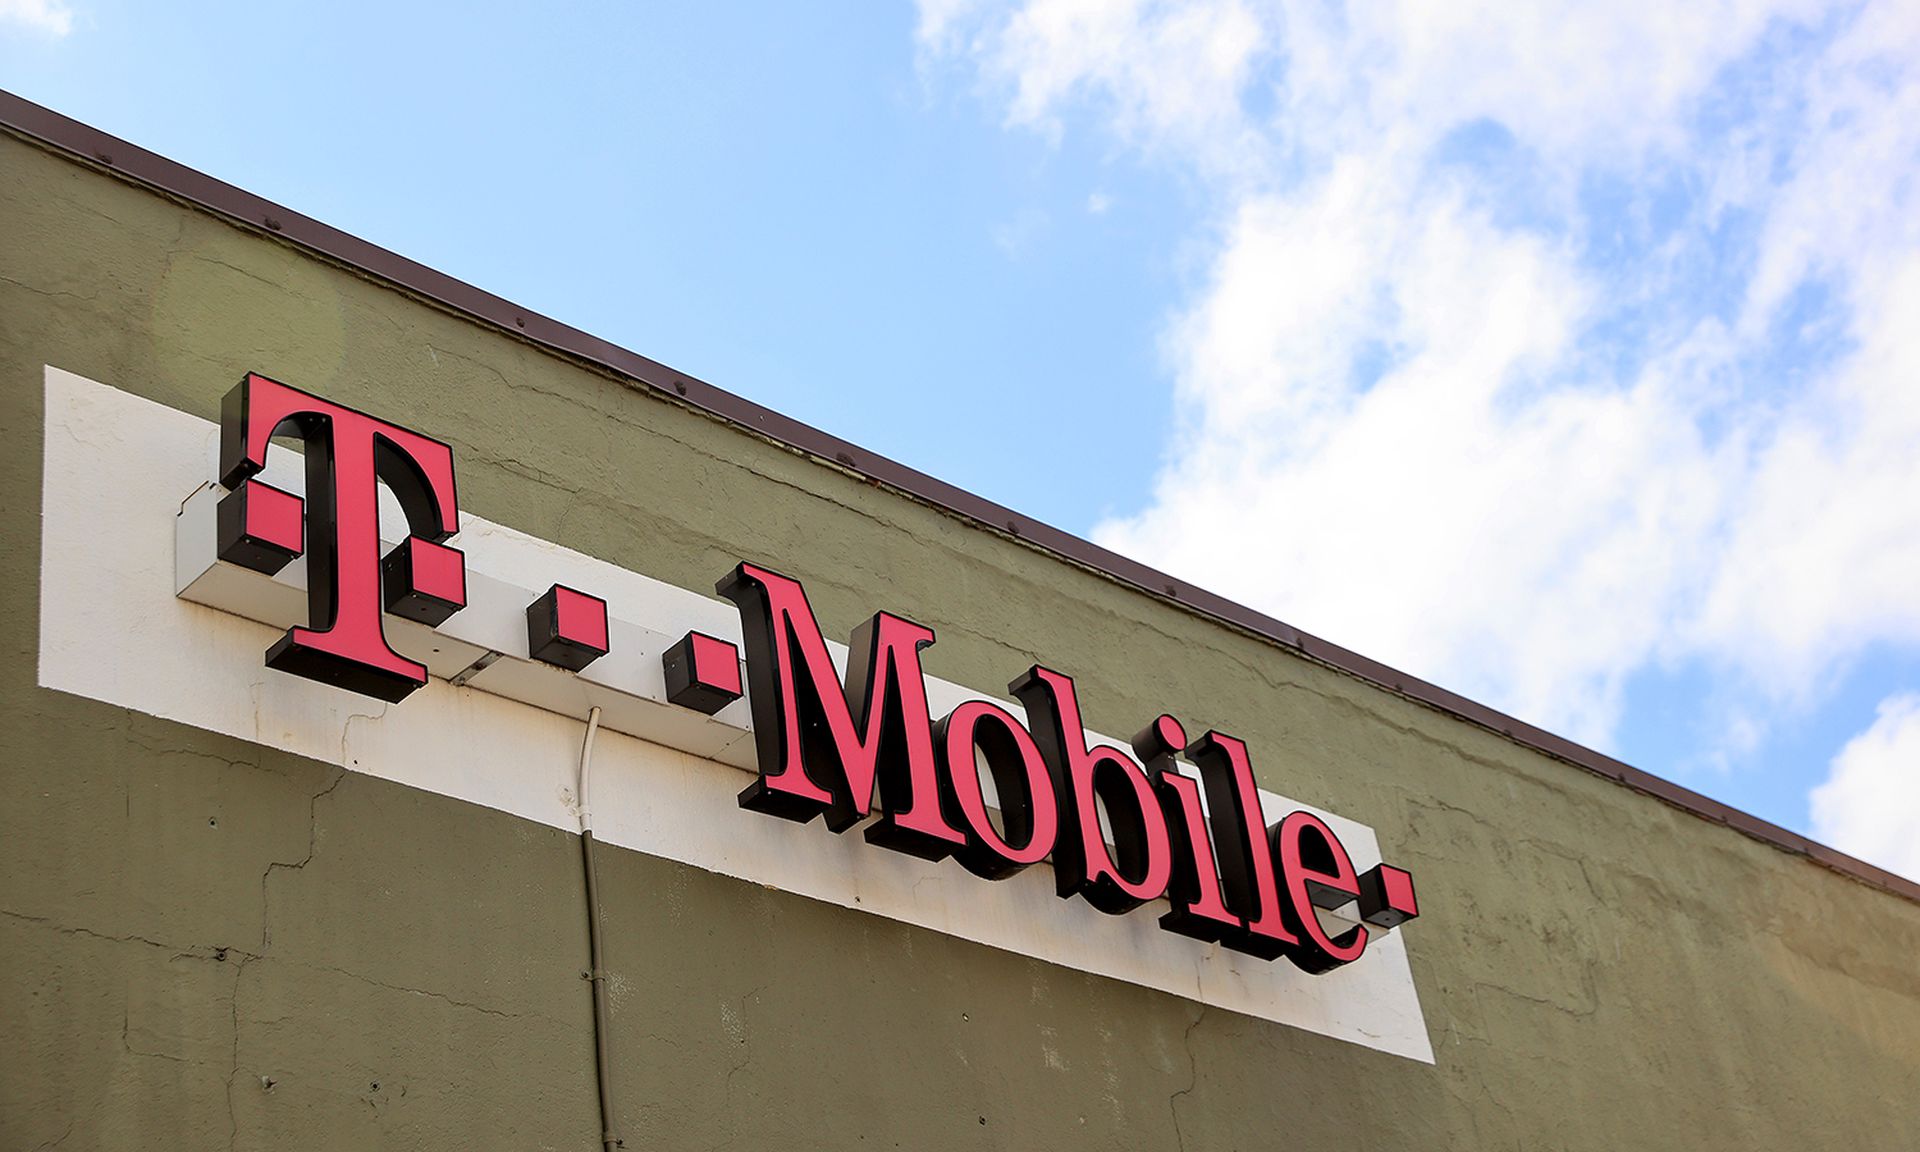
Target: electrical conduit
597, 974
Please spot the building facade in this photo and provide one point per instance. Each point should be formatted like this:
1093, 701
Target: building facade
264, 889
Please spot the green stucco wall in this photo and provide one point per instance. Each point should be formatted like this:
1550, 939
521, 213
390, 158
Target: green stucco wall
186, 919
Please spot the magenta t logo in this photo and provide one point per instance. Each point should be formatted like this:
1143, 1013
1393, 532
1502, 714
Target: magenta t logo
348, 584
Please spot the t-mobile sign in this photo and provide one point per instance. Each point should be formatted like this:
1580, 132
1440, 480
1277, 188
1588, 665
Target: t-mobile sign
1121, 828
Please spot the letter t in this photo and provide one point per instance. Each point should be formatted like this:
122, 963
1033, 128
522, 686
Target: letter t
347, 451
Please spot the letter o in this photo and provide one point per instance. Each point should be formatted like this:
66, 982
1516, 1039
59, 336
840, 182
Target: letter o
1027, 806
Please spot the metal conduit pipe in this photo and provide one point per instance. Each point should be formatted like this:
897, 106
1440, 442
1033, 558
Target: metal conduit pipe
597, 973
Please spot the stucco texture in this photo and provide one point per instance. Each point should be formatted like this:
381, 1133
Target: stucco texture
205, 943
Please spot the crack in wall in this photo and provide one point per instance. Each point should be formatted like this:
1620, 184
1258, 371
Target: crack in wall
743, 1039
430, 994
48, 292
1193, 1077
233, 1074
313, 802
266, 928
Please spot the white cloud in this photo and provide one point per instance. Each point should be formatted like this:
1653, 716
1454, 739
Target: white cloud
938, 26
1573, 78
1870, 803
1450, 516
1404, 426
48, 16
1016, 238
1170, 73
1819, 554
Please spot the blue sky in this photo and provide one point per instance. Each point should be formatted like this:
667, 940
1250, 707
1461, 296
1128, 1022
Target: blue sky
1566, 355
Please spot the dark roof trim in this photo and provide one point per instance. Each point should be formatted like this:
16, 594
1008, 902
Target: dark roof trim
92, 146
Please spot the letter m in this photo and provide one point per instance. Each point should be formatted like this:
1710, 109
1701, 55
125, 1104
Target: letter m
822, 747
